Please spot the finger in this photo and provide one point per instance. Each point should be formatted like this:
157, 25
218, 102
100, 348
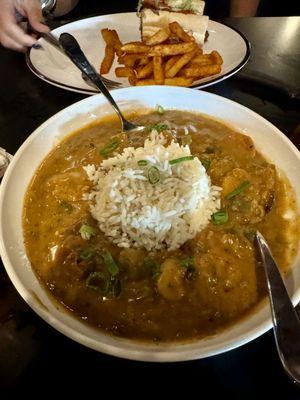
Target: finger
9, 43
19, 36
35, 16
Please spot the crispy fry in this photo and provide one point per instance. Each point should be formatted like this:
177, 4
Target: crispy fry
145, 82
129, 59
108, 60
202, 71
124, 72
117, 42
171, 49
171, 56
179, 81
112, 39
158, 37
145, 71
171, 62
183, 60
216, 57
202, 59
135, 48
158, 70
144, 60
179, 31
132, 80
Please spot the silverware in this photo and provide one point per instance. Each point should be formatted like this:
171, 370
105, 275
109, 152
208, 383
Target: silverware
51, 39
71, 47
286, 321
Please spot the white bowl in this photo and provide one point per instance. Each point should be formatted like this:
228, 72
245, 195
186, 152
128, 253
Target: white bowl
268, 139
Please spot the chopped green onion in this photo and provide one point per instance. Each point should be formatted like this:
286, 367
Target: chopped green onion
98, 281
219, 217
243, 186
153, 175
159, 109
142, 163
66, 206
206, 164
158, 127
181, 159
188, 263
152, 266
86, 232
110, 147
110, 263
86, 254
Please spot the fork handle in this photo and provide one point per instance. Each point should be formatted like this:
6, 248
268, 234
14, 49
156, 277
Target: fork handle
72, 49
285, 318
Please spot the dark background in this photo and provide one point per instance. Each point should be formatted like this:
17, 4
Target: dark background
37, 360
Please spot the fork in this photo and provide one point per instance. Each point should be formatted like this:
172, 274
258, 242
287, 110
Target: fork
51, 39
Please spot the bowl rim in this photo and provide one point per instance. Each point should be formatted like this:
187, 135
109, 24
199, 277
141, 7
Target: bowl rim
62, 327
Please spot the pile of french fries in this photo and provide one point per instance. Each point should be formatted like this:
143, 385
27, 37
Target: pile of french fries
169, 57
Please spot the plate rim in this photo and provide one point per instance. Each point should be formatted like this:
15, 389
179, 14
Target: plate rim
71, 88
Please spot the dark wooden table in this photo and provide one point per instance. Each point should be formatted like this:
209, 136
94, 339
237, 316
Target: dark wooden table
32, 354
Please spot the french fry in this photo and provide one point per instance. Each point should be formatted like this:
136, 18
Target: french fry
179, 81
108, 60
135, 48
171, 62
183, 60
145, 71
202, 59
129, 59
201, 71
179, 31
216, 57
145, 82
132, 80
144, 60
124, 72
112, 39
158, 70
171, 49
158, 37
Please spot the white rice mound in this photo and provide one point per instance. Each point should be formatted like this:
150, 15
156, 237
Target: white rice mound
132, 212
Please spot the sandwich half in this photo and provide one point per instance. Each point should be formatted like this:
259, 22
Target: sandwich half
158, 14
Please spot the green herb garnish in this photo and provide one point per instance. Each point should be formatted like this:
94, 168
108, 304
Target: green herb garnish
86, 232
153, 175
110, 263
152, 266
188, 263
243, 186
159, 109
86, 254
110, 147
206, 164
158, 127
181, 159
219, 217
142, 163
66, 206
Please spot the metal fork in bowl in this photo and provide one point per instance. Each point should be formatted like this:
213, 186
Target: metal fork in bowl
285, 318
72, 49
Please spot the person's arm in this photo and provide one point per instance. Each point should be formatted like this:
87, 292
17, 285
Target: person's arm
243, 8
11, 35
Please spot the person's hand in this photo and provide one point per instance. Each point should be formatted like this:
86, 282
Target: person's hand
11, 34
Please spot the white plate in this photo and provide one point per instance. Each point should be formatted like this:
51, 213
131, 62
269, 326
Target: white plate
268, 139
53, 67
